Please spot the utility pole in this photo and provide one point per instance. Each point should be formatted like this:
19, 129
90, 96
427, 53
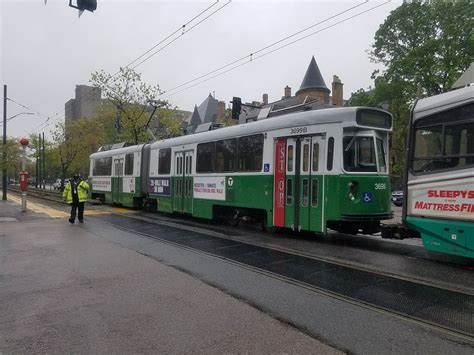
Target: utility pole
4, 170
43, 161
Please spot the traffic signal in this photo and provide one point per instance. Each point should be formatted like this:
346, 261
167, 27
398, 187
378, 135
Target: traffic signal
81, 5
236, 107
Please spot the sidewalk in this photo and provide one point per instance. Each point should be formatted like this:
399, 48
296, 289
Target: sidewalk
63, 289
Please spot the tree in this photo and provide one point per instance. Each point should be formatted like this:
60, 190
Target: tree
424, 47
14, 155
130, 103
74, 142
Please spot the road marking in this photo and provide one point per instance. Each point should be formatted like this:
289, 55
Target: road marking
38, 208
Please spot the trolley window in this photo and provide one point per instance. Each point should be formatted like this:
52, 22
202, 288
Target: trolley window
129, 164
290, 158
306, 157
102, 167
381, 156
206, 153
315, 156
289, 191
329, 163
359, 154
226, 155
304, 193
164, 161
314, 192
251, 153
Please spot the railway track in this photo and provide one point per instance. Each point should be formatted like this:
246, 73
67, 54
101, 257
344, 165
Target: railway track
371, 244
44, 194
445, 310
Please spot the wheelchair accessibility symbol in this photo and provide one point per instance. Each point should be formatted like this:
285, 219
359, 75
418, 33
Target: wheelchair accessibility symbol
367, 197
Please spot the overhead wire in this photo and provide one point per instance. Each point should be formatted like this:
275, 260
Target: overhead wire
181, 28
45, 117
267, 46
251, 58
183, 33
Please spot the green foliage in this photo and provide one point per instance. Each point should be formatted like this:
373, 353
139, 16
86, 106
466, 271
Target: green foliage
424, 46
74, 142
130, 109
14, 155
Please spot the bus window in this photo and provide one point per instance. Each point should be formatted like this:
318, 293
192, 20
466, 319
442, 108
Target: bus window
444, 141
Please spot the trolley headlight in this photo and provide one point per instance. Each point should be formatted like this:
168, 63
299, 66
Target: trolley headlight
352, 190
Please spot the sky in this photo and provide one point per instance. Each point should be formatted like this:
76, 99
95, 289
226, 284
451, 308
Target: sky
46, 50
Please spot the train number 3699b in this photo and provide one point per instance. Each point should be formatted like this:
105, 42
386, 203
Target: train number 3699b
298, 130
380, 186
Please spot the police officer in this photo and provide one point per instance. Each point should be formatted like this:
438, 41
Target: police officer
75, 193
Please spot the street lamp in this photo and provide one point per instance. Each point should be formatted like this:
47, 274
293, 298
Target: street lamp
5, 120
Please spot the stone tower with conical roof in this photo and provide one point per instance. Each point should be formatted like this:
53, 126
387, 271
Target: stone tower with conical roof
313, 84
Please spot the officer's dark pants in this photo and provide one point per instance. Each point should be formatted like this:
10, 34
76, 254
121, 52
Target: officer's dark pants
79, 206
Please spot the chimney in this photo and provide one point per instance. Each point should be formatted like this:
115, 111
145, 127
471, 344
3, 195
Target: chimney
220, 109
337, 99
265, 99
287, 91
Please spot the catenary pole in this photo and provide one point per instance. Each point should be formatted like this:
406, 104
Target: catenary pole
44, 164
4, 170
38, 185
37, 163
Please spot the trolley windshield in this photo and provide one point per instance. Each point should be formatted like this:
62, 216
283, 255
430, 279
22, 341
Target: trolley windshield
364, 154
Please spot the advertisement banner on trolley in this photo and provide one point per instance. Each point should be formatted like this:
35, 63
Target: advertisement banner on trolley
102, 184
160, 186
279, 183
442, 200
209, 188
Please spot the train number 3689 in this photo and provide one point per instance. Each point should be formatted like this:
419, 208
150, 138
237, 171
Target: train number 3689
380, 186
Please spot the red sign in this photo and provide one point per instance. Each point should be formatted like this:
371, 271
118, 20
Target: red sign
24, 142
23, 180
279, 183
